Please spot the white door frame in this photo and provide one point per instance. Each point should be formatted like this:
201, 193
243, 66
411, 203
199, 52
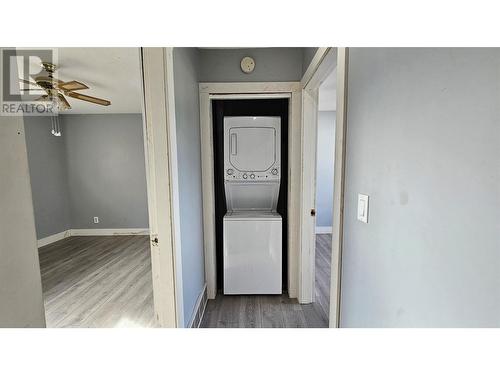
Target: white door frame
162, 183
308, 196
323, 63
254, 90
338, 187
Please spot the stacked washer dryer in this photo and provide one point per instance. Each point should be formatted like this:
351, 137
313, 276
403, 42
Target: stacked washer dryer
252, 227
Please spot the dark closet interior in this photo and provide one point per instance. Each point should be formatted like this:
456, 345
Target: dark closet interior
248, 107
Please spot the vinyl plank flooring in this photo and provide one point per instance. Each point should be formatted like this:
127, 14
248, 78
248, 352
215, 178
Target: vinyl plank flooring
276, 311
314, 316
271, 312
212, 310
79, 301
323, 270
98, 281
293, 313
229, 312
250, 314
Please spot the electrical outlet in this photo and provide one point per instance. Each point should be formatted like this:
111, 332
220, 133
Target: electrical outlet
96, 219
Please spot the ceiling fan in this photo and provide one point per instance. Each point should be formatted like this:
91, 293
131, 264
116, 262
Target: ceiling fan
56, 90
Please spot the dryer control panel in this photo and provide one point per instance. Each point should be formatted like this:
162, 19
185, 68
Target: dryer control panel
235, 175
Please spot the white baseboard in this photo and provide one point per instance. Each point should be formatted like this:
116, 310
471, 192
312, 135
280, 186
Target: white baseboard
323, 230
92, 232
199, 308
110, 232
53, 238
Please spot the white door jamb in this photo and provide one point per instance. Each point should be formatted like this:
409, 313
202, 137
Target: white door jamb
323, 64
338, 187
161, 173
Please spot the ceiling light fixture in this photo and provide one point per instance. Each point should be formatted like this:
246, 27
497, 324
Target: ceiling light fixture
56, 126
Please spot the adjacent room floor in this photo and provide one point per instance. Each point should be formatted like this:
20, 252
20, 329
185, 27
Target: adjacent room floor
98, 281
276, 311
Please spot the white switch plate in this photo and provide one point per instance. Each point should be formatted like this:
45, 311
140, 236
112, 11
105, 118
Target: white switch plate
363, 208
96, 219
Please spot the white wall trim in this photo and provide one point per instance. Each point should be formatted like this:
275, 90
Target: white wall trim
53, 238
265, 88
313, 65
284, 95
245, 90
323, 230
199, 308
110, 232
92, 232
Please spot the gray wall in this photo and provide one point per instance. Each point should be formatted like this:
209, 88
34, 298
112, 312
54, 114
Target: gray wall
308, 54
186, 70
271, 64
96, 168
106, 170
423, 141
324, 168
21, 303
49, 177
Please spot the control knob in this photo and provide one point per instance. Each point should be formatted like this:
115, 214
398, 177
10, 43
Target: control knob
245, 176
252, 176
274, 171
230, 171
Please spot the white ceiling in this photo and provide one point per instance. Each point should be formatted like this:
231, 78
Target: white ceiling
328, 93
110, 73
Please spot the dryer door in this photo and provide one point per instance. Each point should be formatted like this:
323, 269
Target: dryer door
252, 149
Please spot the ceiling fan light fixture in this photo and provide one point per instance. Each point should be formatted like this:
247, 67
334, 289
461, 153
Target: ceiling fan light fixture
56, 126
55, 104
56, 92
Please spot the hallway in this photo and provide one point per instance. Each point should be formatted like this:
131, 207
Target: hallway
276, 311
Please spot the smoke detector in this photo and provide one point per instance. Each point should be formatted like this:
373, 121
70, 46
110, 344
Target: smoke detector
247, 65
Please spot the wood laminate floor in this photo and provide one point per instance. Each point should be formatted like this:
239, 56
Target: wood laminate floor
101, 281
276, 311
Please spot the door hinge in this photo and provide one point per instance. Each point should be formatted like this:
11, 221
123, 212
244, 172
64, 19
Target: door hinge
154, 240
313, 212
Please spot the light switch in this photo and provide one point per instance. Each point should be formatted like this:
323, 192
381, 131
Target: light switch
363, 208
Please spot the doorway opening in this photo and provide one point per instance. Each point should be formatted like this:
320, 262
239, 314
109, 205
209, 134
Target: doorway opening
255, 311
90, 196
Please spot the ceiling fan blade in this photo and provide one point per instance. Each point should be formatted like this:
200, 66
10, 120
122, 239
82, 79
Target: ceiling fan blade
28, 82
33, 89
72, 86
87, 98
43, 98
63, 103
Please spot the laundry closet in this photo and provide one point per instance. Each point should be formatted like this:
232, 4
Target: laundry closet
250, 168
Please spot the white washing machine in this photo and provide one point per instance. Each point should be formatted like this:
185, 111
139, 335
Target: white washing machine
252, 227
